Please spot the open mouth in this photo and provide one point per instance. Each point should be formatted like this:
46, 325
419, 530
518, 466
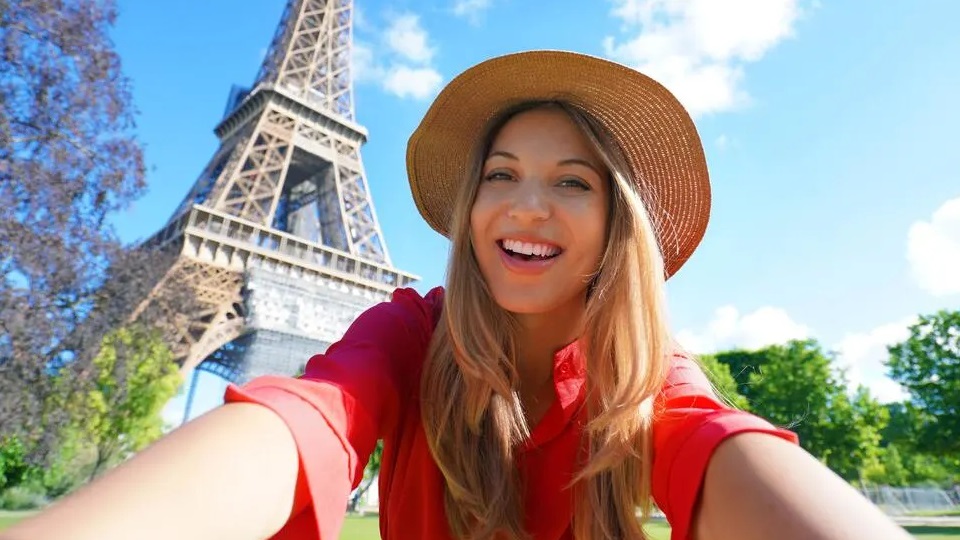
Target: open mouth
528, 251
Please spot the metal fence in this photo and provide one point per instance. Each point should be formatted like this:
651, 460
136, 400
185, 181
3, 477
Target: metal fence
897, 501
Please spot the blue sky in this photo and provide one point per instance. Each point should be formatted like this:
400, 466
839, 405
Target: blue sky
830, 130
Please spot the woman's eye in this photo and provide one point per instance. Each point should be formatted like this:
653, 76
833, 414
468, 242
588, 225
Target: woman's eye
574, 183
498, 175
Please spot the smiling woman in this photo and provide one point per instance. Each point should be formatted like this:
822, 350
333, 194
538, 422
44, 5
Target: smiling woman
539, 216
539, 394
546, 176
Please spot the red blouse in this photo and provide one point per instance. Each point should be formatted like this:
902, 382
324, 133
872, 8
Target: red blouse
365, 387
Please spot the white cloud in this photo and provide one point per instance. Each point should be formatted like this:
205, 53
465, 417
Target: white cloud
360, 21
407, 38
698, 48
471, 9
859, 355
364, 66
729, 329
933, 250
417, 83
722, 142
862, 356
402, 62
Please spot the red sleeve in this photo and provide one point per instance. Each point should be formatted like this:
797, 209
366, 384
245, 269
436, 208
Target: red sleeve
347, 398
690, 424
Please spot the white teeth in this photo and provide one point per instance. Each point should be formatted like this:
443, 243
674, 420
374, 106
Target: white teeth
527, 248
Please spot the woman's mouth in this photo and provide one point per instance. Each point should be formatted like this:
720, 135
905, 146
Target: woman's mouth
529, 251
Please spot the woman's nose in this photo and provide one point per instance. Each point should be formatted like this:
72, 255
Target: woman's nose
530, 202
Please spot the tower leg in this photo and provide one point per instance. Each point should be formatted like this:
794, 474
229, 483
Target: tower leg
191, 391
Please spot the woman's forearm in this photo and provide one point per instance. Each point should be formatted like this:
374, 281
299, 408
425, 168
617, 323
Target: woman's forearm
760, 487
229, 474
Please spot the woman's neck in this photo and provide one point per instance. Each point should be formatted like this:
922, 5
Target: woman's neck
539, 338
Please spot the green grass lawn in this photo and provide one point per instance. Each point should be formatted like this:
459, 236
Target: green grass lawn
935, 533
366, 528
361, 528
9, 518
947, 513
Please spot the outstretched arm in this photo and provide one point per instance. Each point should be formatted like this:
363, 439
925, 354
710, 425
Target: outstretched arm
228, 474
236, 472
760, 487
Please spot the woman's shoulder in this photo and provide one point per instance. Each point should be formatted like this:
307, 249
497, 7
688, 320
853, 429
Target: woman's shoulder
404, 314
425, 307
382, 351
393, 335
683, 371
688, 383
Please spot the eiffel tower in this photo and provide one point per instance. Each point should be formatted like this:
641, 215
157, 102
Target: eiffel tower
278, 239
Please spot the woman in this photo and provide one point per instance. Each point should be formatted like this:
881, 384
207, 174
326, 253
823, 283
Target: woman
539, 394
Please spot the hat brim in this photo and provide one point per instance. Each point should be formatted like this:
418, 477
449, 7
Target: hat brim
656, 135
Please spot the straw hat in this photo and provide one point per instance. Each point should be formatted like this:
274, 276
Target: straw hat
654, 131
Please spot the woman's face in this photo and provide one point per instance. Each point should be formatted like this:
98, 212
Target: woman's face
538, 222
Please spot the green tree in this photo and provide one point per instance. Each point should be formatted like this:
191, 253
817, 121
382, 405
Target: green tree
924, 469
789, 385
370, 473
852, 433
14, 469
724, 383
904, 435
889, 470
927, 364
905, 426
120, 413
795, 385
69, 161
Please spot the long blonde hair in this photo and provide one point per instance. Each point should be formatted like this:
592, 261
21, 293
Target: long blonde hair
471, 414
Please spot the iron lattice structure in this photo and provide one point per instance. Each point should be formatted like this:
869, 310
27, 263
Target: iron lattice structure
278, 238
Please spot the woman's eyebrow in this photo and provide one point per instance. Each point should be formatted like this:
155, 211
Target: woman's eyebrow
578, 161
503, 153
568, 161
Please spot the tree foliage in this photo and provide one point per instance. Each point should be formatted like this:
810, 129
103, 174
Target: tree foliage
902, 468
370, 474
927, 364
795, 385
116, 413
889, 469
723, 382
133, 378
905, 427
852, 433
68, 161
786, 384
14, 469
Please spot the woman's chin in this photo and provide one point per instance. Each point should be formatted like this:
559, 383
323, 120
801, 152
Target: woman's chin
531, 301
